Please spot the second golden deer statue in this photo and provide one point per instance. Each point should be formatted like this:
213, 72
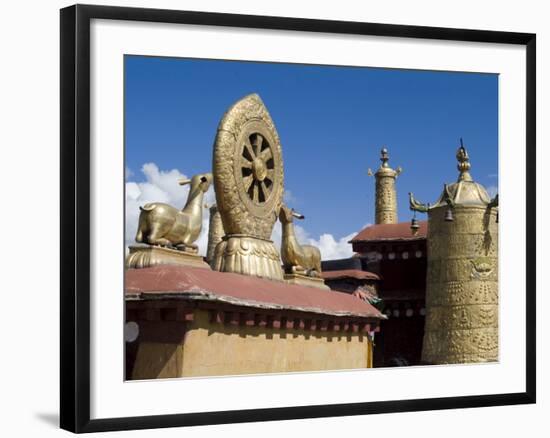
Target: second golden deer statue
297, 259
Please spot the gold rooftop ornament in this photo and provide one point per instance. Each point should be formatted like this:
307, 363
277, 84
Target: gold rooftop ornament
385, 196
169, 233
462, 276
301, 263
248, 180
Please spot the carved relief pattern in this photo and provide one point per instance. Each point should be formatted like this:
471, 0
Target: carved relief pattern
462, 287
453, 293
461, 346
250, 256
247, 147
239, 215
462, 317
386, 200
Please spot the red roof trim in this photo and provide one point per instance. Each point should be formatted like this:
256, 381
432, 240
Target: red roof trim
198, 284
387, 232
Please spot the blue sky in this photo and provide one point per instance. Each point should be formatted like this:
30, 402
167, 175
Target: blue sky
332, 122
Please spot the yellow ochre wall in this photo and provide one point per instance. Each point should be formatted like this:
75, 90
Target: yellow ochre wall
214, 350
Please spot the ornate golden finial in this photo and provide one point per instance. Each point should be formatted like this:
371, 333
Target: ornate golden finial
463, 163
384, 157
386, 197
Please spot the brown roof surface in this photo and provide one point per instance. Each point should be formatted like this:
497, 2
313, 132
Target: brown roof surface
399, 231
205, 285
349, 273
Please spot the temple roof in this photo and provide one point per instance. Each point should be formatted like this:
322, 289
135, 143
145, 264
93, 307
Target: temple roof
388, 232
349, 273
464, 192
199, 284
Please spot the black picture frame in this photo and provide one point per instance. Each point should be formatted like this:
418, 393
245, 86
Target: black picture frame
75, 217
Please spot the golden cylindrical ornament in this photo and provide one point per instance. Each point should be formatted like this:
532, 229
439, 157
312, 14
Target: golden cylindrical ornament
462, 287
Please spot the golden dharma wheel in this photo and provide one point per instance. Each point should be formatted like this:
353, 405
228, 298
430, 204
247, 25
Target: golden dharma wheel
248, 169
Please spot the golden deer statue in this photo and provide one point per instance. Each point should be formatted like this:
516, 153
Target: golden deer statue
297, 259
163, 225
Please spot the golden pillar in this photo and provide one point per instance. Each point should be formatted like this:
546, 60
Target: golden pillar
386, 197
215, 233
462, 278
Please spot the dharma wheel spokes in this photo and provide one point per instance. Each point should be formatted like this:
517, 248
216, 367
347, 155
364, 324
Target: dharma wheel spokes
257, 167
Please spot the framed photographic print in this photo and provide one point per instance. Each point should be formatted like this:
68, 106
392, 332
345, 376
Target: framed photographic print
270, 218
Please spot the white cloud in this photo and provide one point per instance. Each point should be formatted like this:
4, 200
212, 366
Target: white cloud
492, 191
334, 249
161, 186
289, 198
